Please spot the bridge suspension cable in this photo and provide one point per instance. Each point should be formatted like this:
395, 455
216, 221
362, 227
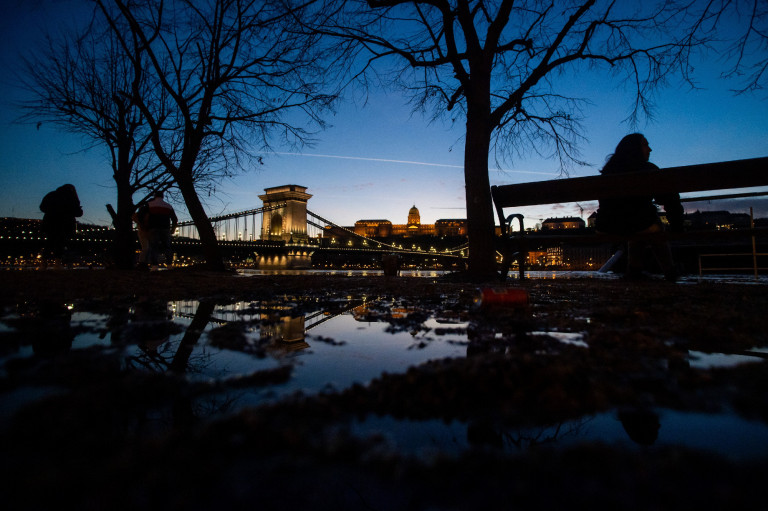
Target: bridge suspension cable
229, 216
222, 227
351, 233
382, 244
226, 218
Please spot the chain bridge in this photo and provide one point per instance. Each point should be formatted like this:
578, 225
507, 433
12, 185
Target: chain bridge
284, 234
281, 234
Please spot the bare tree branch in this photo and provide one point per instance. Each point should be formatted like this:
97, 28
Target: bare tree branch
225, 75
80, 82
505, 65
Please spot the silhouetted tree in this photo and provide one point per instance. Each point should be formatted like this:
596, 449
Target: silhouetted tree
82, 81
742, 28
224, 75
507, 67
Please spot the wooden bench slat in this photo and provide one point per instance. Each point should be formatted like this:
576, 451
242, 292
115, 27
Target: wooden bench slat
746, 173
728, 175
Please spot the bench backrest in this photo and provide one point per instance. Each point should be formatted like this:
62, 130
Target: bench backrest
690, 178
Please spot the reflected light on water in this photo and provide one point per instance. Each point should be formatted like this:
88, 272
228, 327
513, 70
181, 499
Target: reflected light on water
314, 345
513, 275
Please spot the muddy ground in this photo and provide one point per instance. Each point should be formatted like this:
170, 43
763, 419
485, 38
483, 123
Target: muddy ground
92, 446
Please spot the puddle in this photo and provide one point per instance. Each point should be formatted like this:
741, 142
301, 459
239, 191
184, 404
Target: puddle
701, 360
727, 435
571, 338
327, 344
251, 353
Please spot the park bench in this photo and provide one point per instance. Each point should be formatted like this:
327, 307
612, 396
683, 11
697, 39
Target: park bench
720, 176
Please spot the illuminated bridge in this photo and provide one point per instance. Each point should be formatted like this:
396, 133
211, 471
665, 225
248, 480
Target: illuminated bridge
283, 233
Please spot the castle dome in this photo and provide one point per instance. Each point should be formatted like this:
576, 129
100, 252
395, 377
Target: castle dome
414, 218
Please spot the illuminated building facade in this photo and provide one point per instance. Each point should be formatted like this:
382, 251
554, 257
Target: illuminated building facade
373, 228
567, 223
386, 229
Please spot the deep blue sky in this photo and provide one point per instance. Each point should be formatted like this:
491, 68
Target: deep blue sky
378, 161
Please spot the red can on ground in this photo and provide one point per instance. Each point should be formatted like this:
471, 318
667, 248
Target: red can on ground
502, 297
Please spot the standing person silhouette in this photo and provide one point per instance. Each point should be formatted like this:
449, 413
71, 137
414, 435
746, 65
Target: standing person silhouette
638, 215
161, 222
60, 209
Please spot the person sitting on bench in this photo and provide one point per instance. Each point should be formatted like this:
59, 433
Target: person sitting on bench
638, 215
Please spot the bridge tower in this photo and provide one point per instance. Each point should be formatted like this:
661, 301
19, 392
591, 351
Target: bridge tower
288, 223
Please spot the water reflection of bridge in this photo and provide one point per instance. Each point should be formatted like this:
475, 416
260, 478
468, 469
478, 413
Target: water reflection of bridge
276, 322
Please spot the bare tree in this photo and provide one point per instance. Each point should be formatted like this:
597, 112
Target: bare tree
506, 67
225, 74
741, 27
81, 82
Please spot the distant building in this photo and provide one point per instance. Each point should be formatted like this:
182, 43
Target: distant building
20, 228
592, 219
703, 220
716, 220
567, 223
373, 228
382, 228
451, 227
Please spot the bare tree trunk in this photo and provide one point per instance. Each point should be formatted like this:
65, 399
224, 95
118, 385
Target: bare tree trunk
124, 243
125, 239
480, 222
203, 315
211, 251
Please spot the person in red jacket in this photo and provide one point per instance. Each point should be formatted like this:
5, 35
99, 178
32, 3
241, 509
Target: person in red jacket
160, 221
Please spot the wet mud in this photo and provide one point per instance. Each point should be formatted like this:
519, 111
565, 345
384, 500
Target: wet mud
129, 420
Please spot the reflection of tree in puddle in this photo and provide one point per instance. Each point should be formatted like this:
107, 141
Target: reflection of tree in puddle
641, 426
151, 328
486, 434
98, 387
268, 328
228, 327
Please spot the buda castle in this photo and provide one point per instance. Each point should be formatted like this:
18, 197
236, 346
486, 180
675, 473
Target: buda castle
414, 227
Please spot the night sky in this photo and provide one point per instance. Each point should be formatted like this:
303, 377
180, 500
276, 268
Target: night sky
379, 160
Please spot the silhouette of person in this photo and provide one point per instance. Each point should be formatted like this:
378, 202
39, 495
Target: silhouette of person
45, 325
60, 209
161, 221
638, 215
